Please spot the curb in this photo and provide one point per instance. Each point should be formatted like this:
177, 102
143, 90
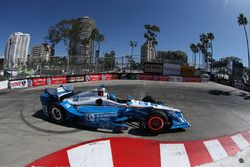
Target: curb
126, 152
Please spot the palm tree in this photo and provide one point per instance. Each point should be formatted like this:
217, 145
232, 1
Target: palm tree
150, 36
242, 21
97, 37
210, 37
194, 48
199, 48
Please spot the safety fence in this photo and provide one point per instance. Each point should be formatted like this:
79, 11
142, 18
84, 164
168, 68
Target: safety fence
42, 81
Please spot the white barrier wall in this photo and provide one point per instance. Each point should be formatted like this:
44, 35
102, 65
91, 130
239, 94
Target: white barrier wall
19, 84
3, 84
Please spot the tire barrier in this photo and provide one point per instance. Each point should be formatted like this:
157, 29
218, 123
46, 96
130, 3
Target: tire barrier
124, 152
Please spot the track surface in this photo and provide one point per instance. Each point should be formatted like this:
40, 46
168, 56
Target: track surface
213, 110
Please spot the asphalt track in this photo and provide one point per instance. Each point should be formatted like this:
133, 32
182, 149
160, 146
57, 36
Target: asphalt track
213, 110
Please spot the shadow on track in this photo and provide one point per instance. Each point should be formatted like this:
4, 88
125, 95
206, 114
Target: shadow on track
219, 92
244, 95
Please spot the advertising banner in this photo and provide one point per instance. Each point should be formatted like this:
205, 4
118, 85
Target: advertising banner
191, 79
146, 77
93, 77
79, 79
175, 79
58, 80
111, 76
163, 78
187, 71
3, 84
38, 81
19, 84
71, 79
171, 69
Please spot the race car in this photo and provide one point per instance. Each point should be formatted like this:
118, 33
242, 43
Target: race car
98, 109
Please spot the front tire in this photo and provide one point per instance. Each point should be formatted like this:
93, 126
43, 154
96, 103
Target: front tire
57, 114
156, 122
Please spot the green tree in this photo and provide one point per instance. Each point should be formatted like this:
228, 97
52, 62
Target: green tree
109, 60
65, 31
242, 21
150, 36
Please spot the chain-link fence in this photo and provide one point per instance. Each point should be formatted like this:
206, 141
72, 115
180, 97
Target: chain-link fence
61, 66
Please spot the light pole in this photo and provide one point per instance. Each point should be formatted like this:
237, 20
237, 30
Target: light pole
132, 44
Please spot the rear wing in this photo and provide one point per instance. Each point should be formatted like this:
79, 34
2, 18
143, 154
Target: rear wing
60, 91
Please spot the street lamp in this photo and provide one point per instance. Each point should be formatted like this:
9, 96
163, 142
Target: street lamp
132, 44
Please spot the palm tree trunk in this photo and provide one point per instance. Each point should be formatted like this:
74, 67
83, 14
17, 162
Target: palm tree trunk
247, 46
194, 60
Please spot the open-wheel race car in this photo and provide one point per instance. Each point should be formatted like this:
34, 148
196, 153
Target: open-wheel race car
99, 109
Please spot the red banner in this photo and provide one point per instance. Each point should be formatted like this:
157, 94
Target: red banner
146, 77
58, 80
164, 78
110, 76
38, 81
93, 77
191, 79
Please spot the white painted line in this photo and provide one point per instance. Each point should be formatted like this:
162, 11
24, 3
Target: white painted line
215, 149
91, 155
240, 141
173, 155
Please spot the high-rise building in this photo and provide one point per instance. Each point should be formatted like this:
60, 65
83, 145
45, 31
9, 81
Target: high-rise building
16, 50
147, 53
41, 54
81, 54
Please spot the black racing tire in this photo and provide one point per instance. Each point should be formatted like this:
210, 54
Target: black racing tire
57, 114
149, 99
157, 122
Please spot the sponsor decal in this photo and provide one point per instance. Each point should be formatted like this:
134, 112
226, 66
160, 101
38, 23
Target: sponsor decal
48, 80
90, 117
30, 83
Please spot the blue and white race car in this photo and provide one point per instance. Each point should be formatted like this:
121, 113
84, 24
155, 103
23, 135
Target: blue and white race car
99, 109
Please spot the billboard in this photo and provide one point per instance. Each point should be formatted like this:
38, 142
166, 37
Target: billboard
153, 68
171, 69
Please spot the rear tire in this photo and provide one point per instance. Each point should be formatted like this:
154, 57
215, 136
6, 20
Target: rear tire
57, 114
157, 122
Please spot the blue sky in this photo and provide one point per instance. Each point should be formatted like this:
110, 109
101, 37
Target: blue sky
181, 22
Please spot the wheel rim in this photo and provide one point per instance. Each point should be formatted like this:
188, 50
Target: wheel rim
155, 123
56, 113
